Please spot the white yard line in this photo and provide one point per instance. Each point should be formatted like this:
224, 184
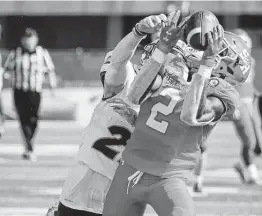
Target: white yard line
41, 150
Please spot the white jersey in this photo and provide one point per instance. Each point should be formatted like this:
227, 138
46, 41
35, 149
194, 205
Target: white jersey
101, 148
104, 139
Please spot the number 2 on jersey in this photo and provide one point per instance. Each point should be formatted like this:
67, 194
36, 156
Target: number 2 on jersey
103, 145
161, 126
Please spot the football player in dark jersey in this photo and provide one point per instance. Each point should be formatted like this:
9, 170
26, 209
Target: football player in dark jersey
171, 125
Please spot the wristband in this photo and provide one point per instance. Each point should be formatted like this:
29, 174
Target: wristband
205, 71
137, 32
158, 56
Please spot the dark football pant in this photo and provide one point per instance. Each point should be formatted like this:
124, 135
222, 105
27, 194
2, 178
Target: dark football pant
250, 135
27, 105
65, 211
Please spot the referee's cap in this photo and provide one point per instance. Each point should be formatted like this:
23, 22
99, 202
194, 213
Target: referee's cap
29, 32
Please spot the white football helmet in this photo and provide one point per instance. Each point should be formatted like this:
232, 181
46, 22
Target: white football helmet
244, 36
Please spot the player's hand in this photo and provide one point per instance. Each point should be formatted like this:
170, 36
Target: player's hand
151, 24
7, 76
214, 39
123, 109
257, 150
171, 33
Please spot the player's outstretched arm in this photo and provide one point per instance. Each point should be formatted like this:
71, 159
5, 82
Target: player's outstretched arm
169, 36
198, 110
123, 52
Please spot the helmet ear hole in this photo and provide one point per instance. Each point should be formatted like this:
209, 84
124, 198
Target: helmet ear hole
223, 67
195, 42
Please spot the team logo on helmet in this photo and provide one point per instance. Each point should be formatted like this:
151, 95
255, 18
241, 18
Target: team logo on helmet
210, 17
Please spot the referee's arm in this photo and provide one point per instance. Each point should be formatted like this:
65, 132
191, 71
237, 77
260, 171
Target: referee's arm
9, 65
50, 69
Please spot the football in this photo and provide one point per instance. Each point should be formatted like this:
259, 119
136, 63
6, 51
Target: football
197, 26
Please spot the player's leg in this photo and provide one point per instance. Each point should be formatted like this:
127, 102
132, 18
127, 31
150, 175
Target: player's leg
171, 198
35, 99
66, 211
256, 117
85, 189
260, 105
245, 130
124, 199
198, 184
29, 124
22, 105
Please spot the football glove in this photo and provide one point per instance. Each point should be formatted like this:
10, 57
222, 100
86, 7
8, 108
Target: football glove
171, 33
150, 24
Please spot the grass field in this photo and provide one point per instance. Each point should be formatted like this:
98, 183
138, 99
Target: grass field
29, 188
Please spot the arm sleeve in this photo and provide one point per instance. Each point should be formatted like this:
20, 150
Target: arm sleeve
121, 55
194, 101
9, 63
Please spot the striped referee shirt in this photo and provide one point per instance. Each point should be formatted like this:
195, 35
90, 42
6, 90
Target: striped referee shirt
28, 69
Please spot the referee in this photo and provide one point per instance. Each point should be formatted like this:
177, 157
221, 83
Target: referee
27, 65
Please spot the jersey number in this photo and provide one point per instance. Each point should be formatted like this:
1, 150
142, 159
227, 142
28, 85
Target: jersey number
244, 56
103, 144
161, 126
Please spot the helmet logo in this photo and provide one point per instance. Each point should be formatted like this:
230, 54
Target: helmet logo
210, 17
244, 55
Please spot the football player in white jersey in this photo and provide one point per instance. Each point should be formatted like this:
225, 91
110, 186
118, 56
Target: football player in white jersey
247, 127
105, 137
